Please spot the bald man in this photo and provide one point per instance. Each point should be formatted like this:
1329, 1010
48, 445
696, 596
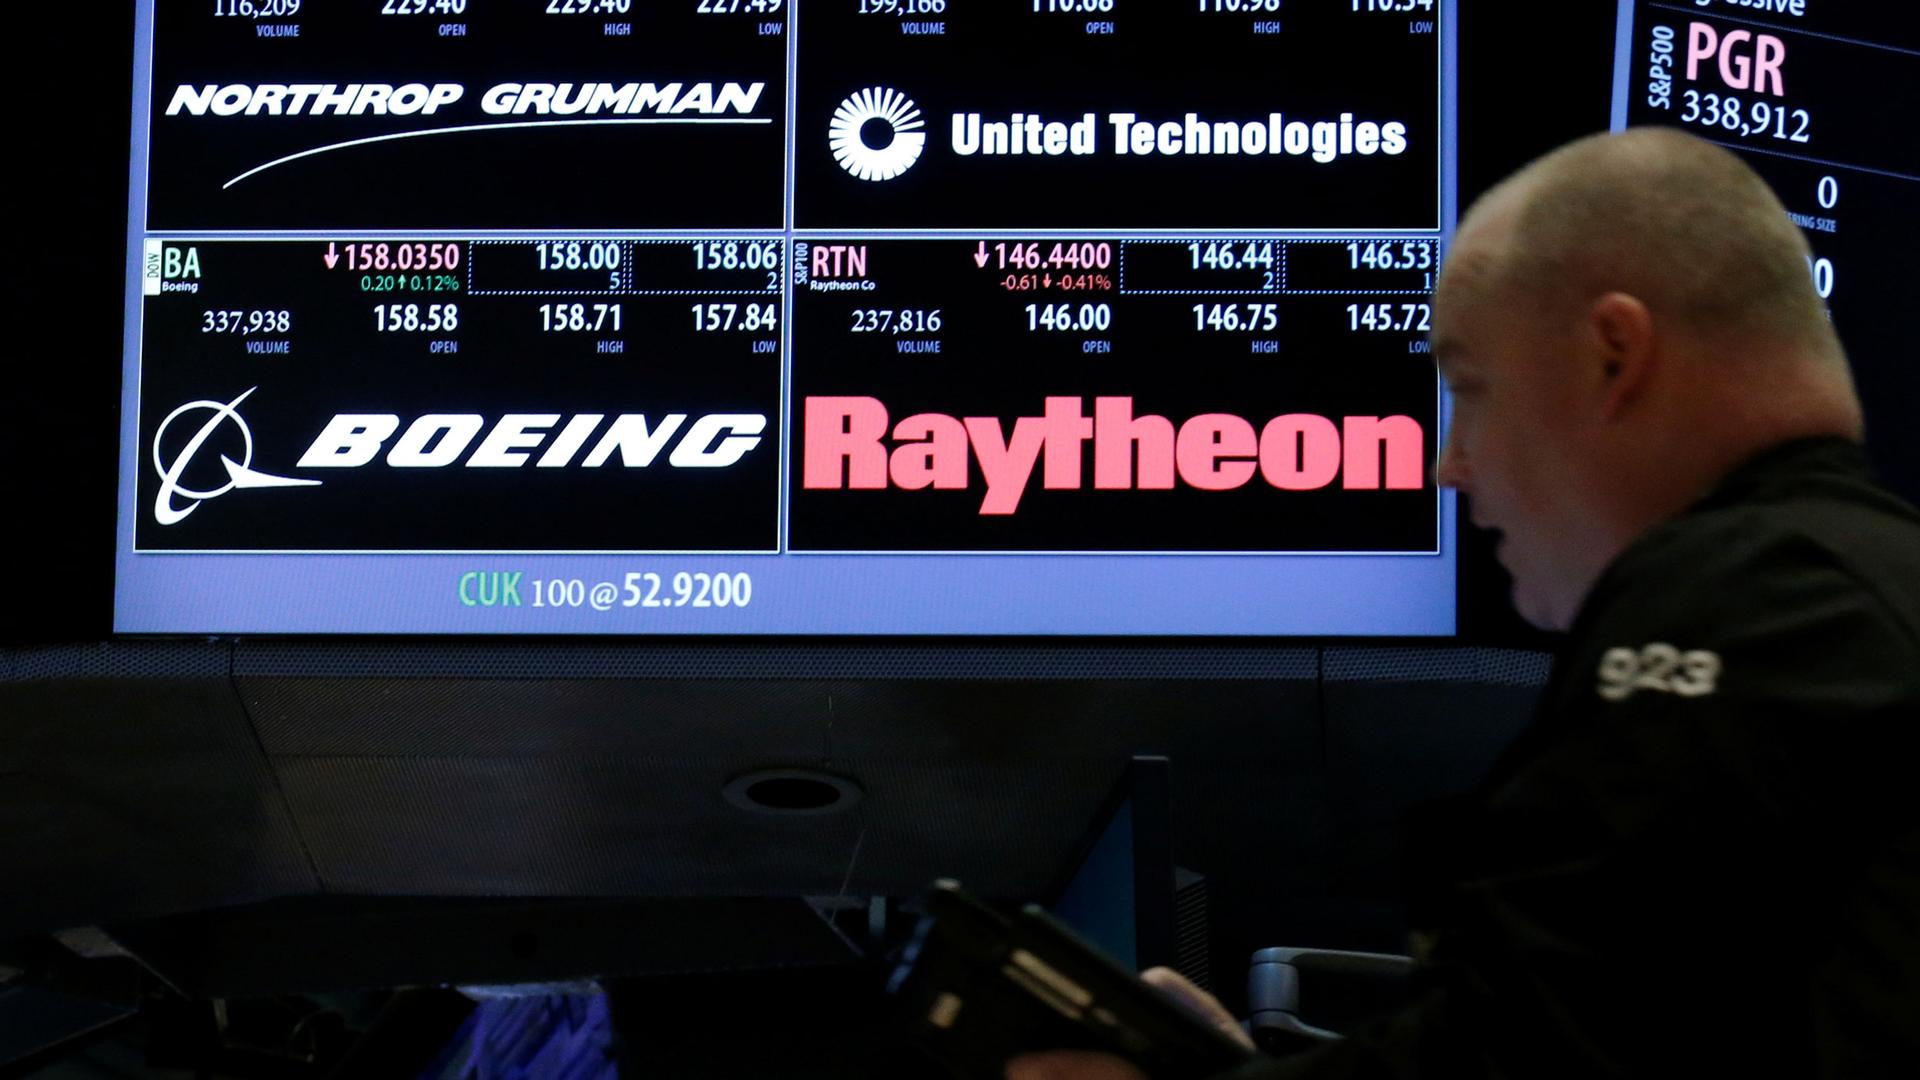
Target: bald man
1703, 858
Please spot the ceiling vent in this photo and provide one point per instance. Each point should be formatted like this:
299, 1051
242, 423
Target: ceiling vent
792, 792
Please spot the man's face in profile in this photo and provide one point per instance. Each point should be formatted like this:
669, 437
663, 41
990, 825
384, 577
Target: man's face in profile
1515, 426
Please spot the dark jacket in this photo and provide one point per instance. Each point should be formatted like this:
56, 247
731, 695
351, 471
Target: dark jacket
1703, 857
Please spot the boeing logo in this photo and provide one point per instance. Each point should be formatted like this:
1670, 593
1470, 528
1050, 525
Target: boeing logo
437, 440
239, 474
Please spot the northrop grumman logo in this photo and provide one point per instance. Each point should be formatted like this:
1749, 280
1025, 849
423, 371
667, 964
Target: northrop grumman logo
521, 105
877, 134
437, 440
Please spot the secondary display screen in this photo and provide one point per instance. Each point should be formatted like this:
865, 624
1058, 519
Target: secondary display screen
1815, 96
819, 317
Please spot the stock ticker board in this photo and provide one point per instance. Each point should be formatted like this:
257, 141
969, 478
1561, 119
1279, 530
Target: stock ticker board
1818, 97
751, 316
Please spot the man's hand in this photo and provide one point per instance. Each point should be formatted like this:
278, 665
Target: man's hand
1086, 1065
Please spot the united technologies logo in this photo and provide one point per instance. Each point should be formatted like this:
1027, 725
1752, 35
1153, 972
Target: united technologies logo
877, 134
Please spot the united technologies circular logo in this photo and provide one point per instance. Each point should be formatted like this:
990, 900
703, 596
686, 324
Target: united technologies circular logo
877, 134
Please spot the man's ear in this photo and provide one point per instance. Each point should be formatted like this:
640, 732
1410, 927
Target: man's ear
1622, 333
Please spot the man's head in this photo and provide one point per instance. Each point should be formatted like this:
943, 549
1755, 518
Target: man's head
1622, 323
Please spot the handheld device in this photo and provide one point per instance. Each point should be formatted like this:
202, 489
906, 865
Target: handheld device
977, 988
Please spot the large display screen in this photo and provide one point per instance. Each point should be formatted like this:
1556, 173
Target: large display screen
1816, 95
804, 317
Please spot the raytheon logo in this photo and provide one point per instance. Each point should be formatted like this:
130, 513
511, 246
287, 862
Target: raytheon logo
877, 134
846, 448
437, 440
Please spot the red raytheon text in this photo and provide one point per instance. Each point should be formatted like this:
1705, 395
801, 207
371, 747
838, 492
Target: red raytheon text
846, 447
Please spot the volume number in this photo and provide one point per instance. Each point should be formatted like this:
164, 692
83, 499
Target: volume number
1761, 118
902, 7
255, 9
246, 322
902, 321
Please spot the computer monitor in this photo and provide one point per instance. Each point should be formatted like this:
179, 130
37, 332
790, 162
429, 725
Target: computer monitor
1118, 890
814, 317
